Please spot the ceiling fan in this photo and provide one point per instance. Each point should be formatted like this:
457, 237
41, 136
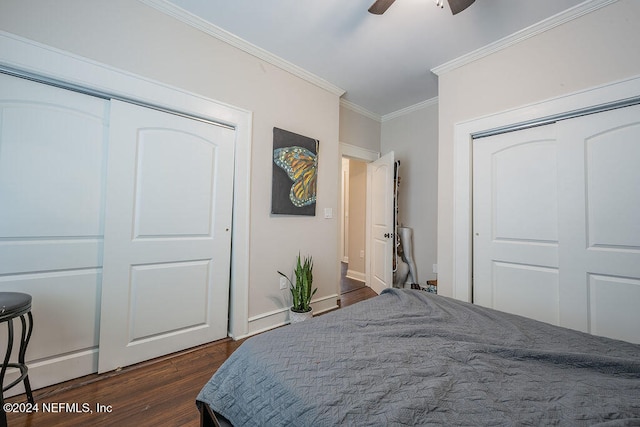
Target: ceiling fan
457, 6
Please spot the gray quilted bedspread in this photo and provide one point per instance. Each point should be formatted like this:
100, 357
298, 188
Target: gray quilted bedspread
414, 358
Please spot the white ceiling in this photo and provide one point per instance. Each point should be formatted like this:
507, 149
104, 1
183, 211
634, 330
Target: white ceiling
382, 62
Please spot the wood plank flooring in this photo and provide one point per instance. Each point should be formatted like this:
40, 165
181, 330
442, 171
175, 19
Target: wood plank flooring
160, 392
347, 284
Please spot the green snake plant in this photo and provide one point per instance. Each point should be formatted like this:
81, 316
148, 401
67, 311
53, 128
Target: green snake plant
301, 291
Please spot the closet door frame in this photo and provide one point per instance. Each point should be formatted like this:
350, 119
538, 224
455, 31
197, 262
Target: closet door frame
26, 58
464, 133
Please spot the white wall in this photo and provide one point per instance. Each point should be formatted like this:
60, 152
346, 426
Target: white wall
358, 129
414, 139
357, 218
131, 36
592, 50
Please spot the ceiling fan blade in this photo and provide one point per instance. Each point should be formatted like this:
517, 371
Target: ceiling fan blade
458, 6
380, 6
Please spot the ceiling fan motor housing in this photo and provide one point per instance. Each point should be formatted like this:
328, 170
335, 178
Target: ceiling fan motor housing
457, 6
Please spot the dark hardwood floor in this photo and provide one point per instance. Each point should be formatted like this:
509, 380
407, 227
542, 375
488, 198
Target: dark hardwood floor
355, 296
347, 284
160, 392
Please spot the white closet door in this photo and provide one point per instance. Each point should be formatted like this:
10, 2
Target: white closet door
380, 222
167, 235
515, 209
52, 164
600, 223
556, 229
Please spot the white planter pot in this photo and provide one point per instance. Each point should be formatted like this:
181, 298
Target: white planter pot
296, 317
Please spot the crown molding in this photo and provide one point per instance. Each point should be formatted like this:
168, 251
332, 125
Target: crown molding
373, 116
545, 25
360, 110
410, 109
235, 41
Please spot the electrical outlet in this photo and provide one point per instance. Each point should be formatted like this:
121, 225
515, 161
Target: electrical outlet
283, 283
361, 254
435, 268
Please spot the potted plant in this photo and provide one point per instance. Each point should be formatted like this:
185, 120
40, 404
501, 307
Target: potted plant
301, 291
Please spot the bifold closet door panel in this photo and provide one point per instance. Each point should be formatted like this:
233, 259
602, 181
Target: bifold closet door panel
515, 227
167, 235
600, 223
53, 146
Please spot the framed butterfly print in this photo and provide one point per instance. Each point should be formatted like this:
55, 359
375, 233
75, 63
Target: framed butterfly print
295, 170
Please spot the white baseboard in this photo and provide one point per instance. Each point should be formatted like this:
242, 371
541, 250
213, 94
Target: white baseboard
356, 275
45, 372
280, 317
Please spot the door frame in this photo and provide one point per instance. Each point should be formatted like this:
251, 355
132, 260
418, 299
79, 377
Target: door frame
365, 155
462, 261
26, 58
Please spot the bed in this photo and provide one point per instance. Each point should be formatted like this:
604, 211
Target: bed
408, 357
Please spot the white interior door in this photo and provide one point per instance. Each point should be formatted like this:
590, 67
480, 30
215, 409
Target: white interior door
52, 164
556, 230
515, 228
167, 235
600, 223
380, 227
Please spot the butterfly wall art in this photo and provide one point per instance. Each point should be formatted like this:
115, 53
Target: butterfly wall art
295, 171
